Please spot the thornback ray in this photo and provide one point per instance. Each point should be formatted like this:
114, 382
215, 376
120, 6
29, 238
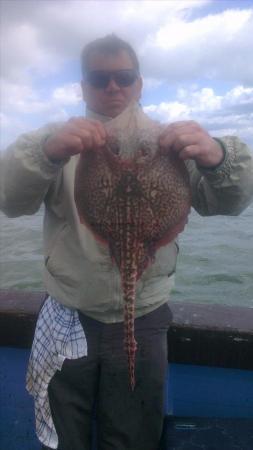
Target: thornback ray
134, 198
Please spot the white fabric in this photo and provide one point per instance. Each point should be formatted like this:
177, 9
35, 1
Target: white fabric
58, 335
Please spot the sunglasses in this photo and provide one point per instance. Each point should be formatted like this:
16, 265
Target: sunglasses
100, 79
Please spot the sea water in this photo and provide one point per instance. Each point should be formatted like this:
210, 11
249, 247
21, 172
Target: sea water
215, 263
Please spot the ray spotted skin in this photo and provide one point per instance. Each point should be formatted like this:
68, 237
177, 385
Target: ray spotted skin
134, 204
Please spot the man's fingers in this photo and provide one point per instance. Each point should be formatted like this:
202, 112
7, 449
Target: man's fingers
189, 152
76, 136
175, 131
185, 140
81, 126
177, 142
95, 125
101, 128
72, 143
90, 134
63, 145
190, 141
180, 124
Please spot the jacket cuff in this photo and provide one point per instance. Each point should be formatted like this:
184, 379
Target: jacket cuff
40, 159
53, 164
216, 175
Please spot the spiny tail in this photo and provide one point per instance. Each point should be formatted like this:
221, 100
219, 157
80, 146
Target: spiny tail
130, 344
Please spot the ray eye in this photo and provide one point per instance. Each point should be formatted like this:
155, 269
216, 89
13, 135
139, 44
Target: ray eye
144, 152
114, 145
144, 149
115, 149
104, 182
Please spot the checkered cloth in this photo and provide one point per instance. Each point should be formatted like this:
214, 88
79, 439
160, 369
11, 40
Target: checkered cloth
58, 335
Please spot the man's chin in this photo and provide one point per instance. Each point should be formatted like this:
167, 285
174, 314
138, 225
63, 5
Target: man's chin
114, 109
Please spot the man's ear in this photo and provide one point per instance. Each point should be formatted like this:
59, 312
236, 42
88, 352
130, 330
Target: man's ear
139, 87
83, 88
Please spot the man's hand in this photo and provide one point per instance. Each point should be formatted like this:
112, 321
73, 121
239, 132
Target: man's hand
190, 141
76, 136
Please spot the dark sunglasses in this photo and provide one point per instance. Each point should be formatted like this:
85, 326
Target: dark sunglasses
101, 78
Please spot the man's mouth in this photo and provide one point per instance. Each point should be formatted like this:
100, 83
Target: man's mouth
115, 100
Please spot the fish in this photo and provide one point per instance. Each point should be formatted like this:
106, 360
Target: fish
135, 198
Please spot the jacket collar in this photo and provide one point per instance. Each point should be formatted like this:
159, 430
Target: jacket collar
102, 118
96, 116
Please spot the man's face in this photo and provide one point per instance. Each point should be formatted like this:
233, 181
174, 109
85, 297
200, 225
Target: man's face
112, 99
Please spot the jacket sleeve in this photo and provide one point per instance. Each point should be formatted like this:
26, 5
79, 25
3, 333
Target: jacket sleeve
26, 173
227, 189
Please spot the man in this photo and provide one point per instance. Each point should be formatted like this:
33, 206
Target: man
78, 366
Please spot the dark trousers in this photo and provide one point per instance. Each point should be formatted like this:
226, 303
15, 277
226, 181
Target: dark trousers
125, 420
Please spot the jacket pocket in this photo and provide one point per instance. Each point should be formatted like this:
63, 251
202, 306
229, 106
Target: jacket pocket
56, 257
164, 263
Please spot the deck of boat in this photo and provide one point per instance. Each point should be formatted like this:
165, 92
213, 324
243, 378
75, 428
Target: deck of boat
204, 433
209, 399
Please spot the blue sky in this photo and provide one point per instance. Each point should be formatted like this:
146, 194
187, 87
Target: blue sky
196, 59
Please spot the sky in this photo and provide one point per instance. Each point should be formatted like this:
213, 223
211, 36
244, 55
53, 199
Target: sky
195, 56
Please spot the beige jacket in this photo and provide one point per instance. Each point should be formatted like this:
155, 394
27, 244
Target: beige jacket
78, 271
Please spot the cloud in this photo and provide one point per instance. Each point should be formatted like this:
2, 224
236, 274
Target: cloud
220, 114
40, 36
179, 43
22, 98
22, 53
69, 94
177, 32
217, 46
167, 112
11, 127
35, 107
203, 101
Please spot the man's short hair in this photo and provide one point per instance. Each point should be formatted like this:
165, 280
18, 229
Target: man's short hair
107, 45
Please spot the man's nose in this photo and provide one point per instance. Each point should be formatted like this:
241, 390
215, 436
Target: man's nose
112, 86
